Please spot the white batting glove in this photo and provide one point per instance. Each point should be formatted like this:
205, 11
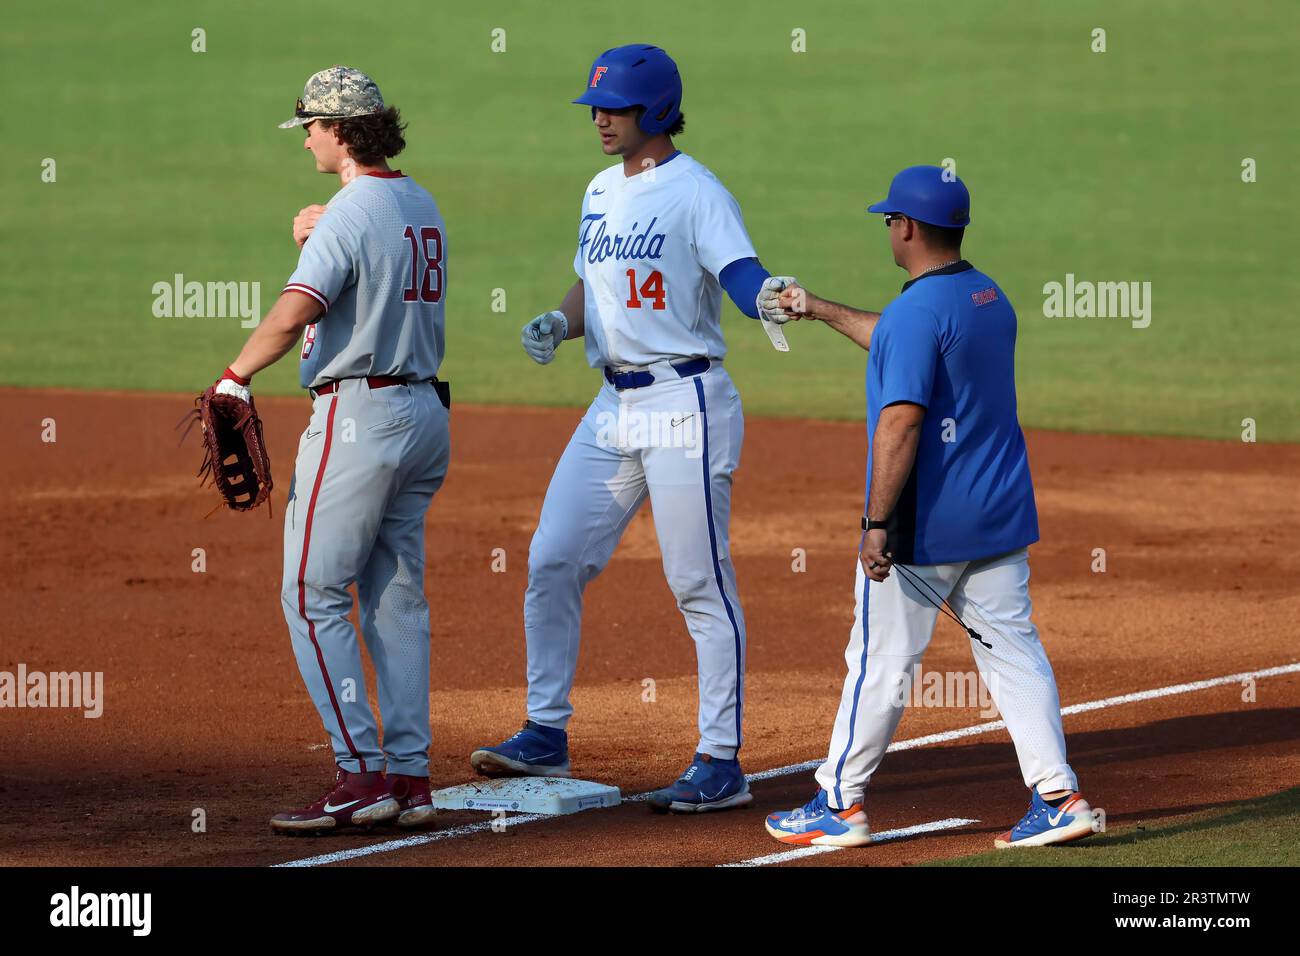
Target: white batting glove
769, 299
543, 335
228, 386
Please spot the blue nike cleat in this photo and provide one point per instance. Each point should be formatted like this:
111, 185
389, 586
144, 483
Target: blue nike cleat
1045, 824
709, 783
535, 751
816, 823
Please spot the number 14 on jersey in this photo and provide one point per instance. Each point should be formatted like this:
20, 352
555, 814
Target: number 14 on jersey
652, 290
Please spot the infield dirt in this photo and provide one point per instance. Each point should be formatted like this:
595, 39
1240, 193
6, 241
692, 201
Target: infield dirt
204, 708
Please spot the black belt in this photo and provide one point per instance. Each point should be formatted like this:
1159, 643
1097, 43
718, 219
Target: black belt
622, 380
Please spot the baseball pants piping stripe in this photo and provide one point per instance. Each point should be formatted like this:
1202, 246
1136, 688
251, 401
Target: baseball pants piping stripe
717, 568
302, 582
857, 690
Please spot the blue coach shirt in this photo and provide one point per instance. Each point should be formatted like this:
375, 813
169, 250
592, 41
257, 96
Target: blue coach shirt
948, 343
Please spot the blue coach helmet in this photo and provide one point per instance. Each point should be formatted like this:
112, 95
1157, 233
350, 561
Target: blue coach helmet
926, 194
636, 75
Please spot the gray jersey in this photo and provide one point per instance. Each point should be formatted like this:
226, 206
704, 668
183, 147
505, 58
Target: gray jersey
377, 264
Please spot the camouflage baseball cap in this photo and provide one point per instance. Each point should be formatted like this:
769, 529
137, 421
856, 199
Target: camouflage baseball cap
336, 93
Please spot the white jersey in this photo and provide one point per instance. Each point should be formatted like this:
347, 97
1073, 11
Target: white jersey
650, 250
377, 264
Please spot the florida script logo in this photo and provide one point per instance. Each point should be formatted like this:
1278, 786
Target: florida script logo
646, 244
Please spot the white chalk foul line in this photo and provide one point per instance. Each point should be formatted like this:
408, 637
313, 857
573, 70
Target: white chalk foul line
987, 727
990, 726
418, 839
786, 856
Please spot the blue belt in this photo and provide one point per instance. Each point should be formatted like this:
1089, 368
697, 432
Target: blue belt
622, 380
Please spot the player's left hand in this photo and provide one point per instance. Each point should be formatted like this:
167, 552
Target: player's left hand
769, 299
305, 222
875, 562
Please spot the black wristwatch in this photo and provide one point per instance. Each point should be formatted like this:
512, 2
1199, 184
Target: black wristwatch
870, 524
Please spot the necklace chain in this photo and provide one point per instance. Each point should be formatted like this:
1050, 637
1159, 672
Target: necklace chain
942, 265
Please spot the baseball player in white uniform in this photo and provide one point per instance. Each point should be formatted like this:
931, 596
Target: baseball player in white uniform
659, 241
368, 300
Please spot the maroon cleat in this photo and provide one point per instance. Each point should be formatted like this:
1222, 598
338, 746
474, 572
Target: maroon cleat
412, 795
356, 799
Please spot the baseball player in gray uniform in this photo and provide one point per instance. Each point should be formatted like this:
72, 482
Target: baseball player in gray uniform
367, 301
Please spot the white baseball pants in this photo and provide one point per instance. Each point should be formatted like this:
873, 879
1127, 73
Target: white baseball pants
892, 625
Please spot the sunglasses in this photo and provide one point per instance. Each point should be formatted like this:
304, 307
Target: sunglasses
893, 217
301, 111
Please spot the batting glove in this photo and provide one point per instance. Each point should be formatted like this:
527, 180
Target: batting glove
543, 335
232, 384
769, 298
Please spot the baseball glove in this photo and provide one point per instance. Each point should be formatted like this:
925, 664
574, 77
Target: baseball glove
234, 451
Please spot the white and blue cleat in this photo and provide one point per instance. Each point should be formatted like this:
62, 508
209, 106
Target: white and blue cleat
709, 783
1045, 824
534, 751
817, 823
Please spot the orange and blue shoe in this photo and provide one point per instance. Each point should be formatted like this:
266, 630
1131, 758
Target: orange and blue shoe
817, 823
1071, 819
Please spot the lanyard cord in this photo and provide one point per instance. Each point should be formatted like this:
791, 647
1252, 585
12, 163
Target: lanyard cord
942, 604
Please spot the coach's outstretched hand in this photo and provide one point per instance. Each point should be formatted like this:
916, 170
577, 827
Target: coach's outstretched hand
543, 335
798, 302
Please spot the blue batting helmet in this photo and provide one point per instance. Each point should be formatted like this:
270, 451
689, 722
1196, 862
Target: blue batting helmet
636, 75
928, 194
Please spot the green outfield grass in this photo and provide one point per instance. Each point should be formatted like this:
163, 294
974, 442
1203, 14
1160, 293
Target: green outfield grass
1115, 166
1263, 832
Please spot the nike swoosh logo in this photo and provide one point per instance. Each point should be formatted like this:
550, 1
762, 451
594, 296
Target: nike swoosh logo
330, 808
678, 421
312, 434
1055, 820
597, 192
